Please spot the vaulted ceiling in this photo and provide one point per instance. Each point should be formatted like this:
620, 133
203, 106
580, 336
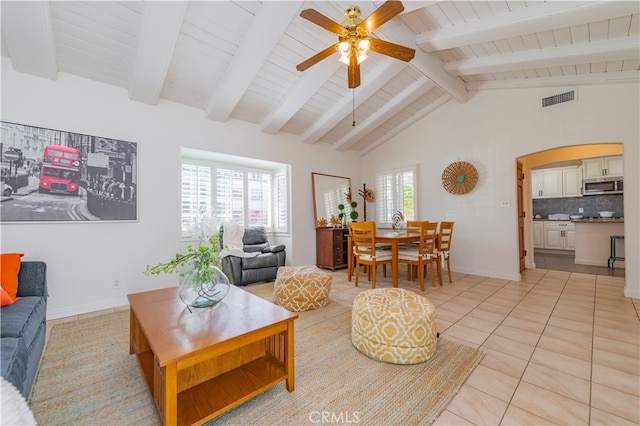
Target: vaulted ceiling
237, 60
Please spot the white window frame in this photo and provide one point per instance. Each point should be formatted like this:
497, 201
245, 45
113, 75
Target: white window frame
279, 202
390, 195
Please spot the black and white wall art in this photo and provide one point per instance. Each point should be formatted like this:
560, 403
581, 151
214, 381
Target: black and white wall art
53, 175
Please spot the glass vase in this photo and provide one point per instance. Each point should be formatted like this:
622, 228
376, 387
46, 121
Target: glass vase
198, 293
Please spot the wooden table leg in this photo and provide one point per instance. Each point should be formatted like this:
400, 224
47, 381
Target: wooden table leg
170, 395
349, 258
290, 358
394, 263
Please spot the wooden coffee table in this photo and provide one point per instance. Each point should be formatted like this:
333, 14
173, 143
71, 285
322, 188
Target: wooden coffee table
199, 365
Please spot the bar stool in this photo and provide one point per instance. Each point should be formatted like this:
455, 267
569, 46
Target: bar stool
612, 253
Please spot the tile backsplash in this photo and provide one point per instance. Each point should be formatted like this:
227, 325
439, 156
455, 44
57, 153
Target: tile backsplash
592, 204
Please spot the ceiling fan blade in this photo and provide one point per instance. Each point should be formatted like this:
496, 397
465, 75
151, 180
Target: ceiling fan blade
317, 57
391, 49
384, 13
353, 72
321, 20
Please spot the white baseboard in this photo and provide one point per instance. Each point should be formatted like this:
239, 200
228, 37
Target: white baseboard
84, 309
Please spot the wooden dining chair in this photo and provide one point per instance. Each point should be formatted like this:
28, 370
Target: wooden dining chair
363, 235
444, 245
414, 226
424, 255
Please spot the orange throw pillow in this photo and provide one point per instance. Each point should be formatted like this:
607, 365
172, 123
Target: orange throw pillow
9, 268
4, 298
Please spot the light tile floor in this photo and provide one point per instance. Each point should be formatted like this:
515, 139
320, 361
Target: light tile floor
561, 347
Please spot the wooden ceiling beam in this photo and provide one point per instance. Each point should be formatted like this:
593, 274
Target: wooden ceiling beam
159, 33
28, 36
307, 86
263, 35
583, 53
406, 97
376, 80
526, 20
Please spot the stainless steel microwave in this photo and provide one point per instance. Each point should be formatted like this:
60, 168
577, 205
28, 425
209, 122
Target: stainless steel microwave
602, 185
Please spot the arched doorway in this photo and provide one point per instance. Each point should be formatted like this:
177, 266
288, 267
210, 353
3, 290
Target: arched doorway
558, 157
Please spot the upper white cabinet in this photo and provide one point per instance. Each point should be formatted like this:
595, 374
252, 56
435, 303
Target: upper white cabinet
556, 182
572, 182
546, 183
603, 166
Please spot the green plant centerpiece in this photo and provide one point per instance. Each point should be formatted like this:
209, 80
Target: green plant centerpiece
204, 284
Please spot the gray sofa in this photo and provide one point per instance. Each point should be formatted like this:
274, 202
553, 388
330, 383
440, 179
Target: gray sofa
247, 270
23, 328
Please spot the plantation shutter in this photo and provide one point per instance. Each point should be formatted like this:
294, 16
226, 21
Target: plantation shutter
259, 200
395, 191
196, 195
229, 196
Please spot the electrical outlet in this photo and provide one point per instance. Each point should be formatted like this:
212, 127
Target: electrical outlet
580, 210
116, 285
504, 203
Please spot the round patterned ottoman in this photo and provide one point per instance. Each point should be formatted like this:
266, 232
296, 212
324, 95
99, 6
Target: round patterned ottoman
393, 325
301, 288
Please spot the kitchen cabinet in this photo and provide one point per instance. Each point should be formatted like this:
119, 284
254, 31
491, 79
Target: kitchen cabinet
603, 166
556, 182
538, 234
560, 235
546, 183
572, 182
331, 248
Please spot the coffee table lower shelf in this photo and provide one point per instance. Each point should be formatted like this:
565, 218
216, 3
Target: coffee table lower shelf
207, 400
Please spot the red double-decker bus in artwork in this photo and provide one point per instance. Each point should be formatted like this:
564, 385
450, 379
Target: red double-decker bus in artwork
60, 170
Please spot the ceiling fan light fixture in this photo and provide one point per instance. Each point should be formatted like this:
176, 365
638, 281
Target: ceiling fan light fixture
363, 49
364, 45
344, 48
354, 43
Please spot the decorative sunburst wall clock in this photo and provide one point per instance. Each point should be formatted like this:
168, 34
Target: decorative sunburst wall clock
459, 177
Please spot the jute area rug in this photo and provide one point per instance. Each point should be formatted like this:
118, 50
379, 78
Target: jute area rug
87, 377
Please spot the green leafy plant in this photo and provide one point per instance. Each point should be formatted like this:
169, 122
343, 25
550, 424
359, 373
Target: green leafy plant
354, 214
201, 258
341, 208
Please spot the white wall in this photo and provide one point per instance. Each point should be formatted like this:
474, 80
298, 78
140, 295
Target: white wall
85, 258
490, 131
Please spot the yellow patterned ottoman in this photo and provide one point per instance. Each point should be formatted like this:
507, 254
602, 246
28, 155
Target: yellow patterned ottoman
393, 325
301, 288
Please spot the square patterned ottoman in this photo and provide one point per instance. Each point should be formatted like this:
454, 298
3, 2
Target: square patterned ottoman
302, 288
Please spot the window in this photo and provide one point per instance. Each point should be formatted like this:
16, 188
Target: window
396, 191
196, 195
236, 193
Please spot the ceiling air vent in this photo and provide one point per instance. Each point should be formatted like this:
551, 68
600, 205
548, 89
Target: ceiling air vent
559, 99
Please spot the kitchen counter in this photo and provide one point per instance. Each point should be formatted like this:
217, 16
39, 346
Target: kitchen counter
585, 220
593, 241
600, 220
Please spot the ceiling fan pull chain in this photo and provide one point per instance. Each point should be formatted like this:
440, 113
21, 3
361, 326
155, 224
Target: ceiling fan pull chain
353, 113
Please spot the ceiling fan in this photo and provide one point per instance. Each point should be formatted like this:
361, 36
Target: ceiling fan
354, 41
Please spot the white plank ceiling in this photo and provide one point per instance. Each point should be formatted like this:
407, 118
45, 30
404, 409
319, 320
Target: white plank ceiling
236, 60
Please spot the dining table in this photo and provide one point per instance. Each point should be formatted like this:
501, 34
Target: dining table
394, 238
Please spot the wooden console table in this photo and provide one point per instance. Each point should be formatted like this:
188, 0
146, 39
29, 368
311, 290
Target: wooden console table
199, 365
